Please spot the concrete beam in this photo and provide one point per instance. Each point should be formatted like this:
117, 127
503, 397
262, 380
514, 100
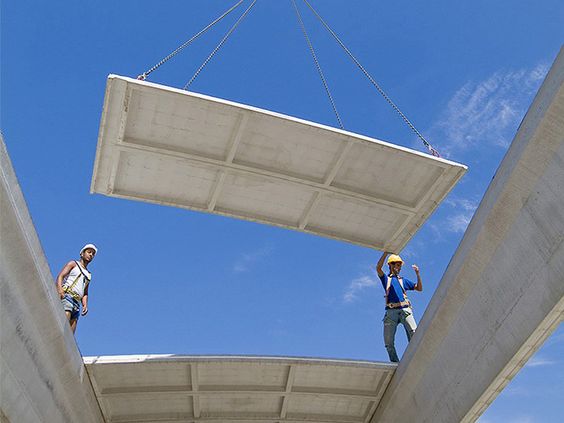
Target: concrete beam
503, 291
42, 376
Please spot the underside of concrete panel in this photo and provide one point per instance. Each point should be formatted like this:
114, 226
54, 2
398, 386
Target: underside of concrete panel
135, 389
503, 291
177, 148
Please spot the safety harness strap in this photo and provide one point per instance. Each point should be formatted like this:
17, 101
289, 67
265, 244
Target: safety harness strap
405, 302
68, 289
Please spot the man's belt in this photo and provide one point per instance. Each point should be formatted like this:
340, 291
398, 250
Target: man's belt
401, 304
72, 294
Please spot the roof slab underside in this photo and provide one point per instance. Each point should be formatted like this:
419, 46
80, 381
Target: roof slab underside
161, 388
176, 148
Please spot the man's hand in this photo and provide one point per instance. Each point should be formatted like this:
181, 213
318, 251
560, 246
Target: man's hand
84, 310
61, 293
419, 284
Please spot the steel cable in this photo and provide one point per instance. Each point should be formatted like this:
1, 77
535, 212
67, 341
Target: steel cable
318, 66
235, 25
144, 75
380, 90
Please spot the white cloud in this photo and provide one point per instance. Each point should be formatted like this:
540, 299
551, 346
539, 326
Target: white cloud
409, 253
462, 203
247, 260
487, 112
537, 361
358, 285
464, 210
517, 390
458, 223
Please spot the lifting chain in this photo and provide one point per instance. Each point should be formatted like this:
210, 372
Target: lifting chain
235, 25
145, 74
317, 65
380, 90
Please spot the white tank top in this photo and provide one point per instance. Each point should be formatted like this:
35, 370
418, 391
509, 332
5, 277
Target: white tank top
76, 281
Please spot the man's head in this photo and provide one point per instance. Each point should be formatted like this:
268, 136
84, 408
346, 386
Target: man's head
395, 262
88, 252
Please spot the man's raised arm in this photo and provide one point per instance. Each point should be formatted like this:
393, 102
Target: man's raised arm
381, 263
419, 284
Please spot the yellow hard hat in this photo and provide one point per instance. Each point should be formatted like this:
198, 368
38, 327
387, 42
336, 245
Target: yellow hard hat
394, 258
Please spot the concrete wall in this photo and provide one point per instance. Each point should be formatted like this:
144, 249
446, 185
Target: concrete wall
503, 291
42, 376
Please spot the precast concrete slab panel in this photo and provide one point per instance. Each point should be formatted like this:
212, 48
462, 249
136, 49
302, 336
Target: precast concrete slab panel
177, 148
237, 388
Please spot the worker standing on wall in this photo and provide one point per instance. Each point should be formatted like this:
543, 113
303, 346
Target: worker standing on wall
398, 306
73, 282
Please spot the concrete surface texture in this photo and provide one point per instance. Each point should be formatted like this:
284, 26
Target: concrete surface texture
503, 291
42, 376
173, 147
133, 389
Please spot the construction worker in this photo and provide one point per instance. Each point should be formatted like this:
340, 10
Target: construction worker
398, 307
72, 284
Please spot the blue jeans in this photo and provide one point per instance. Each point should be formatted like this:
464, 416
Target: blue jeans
392, 318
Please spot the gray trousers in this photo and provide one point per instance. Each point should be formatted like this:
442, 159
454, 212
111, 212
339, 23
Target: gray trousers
392, 318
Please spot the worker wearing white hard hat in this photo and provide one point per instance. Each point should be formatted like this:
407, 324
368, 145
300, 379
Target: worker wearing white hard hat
398, 306
73, 282
92, 246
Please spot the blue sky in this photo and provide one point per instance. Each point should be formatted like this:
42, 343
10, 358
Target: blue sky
180, 282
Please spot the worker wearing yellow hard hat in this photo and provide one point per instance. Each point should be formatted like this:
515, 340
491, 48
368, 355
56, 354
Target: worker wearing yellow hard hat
398, 306
394, 258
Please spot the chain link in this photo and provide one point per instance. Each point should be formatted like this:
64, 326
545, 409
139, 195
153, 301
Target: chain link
145, 74
235, 25
380, 90
318, 66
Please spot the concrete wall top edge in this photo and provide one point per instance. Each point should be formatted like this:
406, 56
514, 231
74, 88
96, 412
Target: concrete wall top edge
41, 367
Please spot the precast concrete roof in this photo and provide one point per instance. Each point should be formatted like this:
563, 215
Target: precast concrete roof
178, 148
169, 388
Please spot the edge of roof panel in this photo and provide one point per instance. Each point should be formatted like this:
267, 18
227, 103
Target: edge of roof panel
124, 359
133, 81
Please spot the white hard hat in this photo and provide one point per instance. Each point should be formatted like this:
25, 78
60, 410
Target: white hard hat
89, 246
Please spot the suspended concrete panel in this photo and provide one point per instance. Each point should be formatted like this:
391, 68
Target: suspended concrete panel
132, 389
173, 147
